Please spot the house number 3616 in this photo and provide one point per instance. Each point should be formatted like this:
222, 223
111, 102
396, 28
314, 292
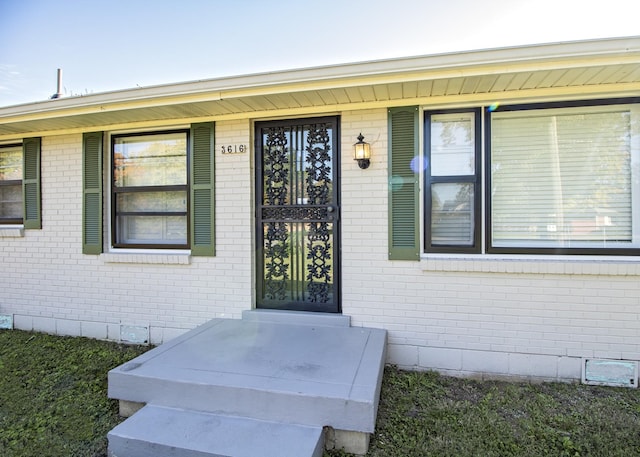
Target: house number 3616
234, 149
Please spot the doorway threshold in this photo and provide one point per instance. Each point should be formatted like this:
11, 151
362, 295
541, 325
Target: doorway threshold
276, 316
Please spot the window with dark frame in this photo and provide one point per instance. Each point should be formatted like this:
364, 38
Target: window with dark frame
452, 175
11, 203
150, 190
561, 178
564, 178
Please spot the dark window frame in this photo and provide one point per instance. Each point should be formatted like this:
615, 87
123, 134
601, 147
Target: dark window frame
115, 190
483, 220
475, 180
12, 182
579, 251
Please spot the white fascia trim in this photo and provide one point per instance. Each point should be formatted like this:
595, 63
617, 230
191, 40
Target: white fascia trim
558, 54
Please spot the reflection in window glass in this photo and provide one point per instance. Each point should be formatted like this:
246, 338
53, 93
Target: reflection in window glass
150, 160
11, 184
150, 190
452, 145
147, 202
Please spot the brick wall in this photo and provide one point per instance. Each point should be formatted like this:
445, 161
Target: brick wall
49, 285
530, 317
524, 316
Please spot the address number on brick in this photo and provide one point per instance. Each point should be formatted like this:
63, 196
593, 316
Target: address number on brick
234, 149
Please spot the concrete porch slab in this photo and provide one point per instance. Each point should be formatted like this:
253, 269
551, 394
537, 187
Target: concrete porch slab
266, 369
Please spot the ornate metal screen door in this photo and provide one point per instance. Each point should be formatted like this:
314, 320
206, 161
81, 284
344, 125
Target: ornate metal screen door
297, 215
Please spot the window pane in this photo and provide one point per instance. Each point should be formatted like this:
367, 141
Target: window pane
152, 201
10, 164
452, 145
152, 229
561, 178
11, 201
452, 216
150, 160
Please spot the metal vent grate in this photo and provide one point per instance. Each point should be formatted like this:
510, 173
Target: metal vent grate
6, 321
605, 372
135, 334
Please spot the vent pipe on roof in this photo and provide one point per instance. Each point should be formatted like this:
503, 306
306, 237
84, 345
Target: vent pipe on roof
58, 94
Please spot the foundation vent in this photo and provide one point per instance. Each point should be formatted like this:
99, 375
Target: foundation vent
134, 334
6, 321
606, 372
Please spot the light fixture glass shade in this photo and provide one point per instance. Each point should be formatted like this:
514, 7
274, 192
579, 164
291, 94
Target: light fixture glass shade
362, 152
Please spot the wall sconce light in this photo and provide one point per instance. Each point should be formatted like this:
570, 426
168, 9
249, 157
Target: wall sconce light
362, 152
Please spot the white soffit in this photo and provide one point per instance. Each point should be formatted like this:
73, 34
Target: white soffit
586, 68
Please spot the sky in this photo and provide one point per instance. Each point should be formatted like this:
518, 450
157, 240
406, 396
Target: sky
108, 45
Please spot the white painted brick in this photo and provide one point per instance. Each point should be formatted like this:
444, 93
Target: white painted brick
44, 325
542, 366
402, 355
496, 314
68, 327
440, 358
21, 322
569, 368
171, 333
96, 330
485, 362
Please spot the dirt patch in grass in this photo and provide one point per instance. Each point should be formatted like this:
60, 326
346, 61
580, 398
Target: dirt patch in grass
53, 394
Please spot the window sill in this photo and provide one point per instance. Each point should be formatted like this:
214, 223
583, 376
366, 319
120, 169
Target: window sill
147, 258
553, 265
12, 232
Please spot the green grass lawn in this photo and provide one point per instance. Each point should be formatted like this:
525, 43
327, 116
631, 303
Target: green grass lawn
425, 414
53, 402
53, 394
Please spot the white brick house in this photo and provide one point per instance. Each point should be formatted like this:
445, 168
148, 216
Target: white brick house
479, 266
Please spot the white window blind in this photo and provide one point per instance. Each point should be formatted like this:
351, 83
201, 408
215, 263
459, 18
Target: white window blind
562, 178
452, 214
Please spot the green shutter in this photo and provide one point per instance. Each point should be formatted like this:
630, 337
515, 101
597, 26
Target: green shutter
202, 190
92, 193
404, 210
31, 183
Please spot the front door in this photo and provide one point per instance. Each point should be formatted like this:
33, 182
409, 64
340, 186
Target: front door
297, 215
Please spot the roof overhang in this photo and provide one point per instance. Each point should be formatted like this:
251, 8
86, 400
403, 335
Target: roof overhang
582, 69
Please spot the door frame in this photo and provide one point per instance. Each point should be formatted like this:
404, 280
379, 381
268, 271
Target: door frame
335, 306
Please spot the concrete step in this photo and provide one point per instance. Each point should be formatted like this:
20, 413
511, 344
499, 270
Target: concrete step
296, 318
256, 367
156, 431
